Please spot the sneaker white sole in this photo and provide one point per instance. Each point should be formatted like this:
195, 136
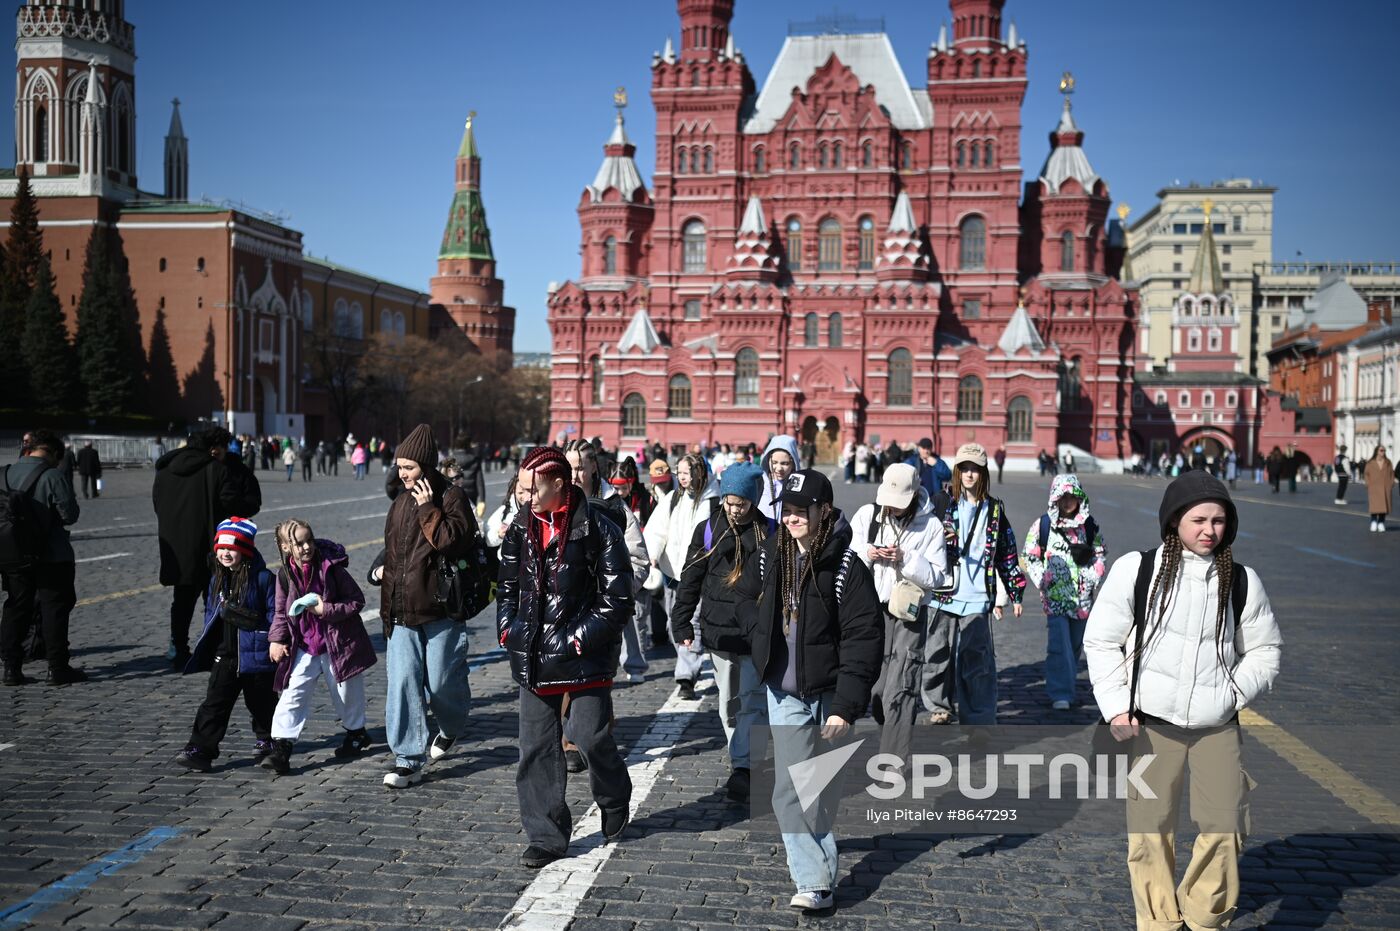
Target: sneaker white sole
395, 781
435, 754
809, 902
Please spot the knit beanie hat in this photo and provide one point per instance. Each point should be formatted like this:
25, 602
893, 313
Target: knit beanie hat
742, 480
1194, 487
420, 446
236, 533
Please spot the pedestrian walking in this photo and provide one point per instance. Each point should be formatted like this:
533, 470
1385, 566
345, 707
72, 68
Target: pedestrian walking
289, 460
900, 538
426, 651
1288, 468
500, 518
90, 470
37, 563
808, 608
1380, 481
386, 457
963, 674
862, 463
1065, 559
779, 460
1342, 466
1000, 459
1273, 465
719, 548
233, 646
195, 488
1181, 639
1232, 467
668, 535
564, 595
359, 458
934, 473
469, 460
307, 455
317, 633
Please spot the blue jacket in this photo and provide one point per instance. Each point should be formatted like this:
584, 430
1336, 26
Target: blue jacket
934, 477
261, 597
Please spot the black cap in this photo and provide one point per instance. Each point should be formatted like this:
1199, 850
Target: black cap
1194, 487
806, 488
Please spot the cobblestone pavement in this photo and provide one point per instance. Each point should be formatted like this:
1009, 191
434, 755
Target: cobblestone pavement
88, 770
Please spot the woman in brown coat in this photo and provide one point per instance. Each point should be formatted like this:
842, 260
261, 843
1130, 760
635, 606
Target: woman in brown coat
1380, 478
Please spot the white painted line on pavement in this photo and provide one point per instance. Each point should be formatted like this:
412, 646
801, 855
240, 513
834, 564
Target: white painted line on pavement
549, 902
364, 516
100, 558
4, 747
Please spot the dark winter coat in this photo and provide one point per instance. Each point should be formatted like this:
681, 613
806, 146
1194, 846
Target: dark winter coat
705, 584
563, 628
89, 463
839, 647
473, 482
192, 493
347, 642
55, 506
260, 596
415, 538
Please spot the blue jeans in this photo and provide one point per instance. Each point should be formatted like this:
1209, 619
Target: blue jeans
741, 702
1064, 645
432, 659
811, 853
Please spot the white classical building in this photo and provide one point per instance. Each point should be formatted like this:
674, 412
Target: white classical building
1368, 393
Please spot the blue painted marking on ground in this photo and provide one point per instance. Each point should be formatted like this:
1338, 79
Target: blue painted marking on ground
62, 890
1323, 553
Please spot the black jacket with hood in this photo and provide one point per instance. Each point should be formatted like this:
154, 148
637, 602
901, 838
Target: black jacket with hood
840, 647
705, 584
192, 493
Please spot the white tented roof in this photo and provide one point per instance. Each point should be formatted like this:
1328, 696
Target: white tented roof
1335, 305
617, 171
1067, 161
1020, 334
870, 56
640, 334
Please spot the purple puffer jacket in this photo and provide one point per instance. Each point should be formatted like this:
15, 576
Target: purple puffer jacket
347, 641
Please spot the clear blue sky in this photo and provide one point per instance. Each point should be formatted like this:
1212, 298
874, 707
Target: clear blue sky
347, 115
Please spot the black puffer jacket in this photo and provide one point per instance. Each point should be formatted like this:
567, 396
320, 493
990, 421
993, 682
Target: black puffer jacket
192, 492
708, 579
839, 648
583, 597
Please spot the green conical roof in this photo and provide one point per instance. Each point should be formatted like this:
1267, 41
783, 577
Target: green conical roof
467, 235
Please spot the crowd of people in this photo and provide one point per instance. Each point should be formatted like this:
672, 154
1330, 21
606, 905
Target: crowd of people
808, 615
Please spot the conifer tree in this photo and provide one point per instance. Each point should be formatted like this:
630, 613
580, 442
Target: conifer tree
48, 356
163, 382
23, 252
110, 377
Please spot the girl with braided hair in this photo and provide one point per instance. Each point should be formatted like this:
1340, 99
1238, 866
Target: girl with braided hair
668, 536
808, 608
1180, 639
719, 549
563, 598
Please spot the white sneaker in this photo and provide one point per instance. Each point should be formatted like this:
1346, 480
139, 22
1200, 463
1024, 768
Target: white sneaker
632, 678
1380, 526
1339, 501
402, 778
1060, 705
812, 901
440, 747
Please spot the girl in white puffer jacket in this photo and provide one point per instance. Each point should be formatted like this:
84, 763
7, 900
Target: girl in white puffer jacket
1202, 659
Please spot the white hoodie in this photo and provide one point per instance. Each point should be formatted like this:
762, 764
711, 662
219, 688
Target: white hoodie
923, 552
1181, 680
672, 524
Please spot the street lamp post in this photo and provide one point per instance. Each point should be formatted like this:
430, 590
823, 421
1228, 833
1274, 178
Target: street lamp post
461, 404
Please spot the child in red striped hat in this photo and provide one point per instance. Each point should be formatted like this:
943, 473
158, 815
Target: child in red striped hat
233, 647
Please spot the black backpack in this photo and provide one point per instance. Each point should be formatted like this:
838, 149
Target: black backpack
467, 576
21, 537
1082, 553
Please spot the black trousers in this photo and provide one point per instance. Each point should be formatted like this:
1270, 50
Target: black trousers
181, 611
225, 685
42, 593
89, 486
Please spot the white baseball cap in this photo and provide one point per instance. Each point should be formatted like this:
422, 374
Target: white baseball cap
900, 486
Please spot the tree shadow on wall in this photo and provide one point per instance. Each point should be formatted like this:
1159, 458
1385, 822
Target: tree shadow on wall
202, 392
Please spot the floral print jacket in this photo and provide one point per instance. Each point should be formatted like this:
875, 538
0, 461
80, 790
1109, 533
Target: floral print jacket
1067, 589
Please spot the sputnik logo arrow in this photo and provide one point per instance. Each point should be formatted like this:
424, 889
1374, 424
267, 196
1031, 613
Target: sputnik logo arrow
811, 777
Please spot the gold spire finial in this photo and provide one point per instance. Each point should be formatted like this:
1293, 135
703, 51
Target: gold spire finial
1123, 211
1207, 205
471, 115
1066, 86
620, 97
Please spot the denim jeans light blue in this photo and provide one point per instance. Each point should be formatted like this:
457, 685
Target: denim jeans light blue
1063, 647
432, 659
742, 703
811, 853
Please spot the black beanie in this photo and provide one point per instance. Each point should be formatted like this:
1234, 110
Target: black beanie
1192, 488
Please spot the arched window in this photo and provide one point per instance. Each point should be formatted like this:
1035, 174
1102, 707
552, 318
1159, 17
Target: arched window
906, 155
809, 331
795, 156
1193, 340
821, 155
41, 134
610, 255
1069, 383
975, 154
400, 326
900, 367
595, 374
678, 397
1067, 252
634, 415
386, 321
972, 237
357, 321
758, 165
867, 154
962, 154
694, 77
1207, 399
1213, 340
834, 336
976, 69
695, 160
970, 398
867, 243
746, 378
1018, 420
308, 310
680, 160
829, 241
836, 155
989, 154
693, 247
709, 160
794, 244
342, 318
